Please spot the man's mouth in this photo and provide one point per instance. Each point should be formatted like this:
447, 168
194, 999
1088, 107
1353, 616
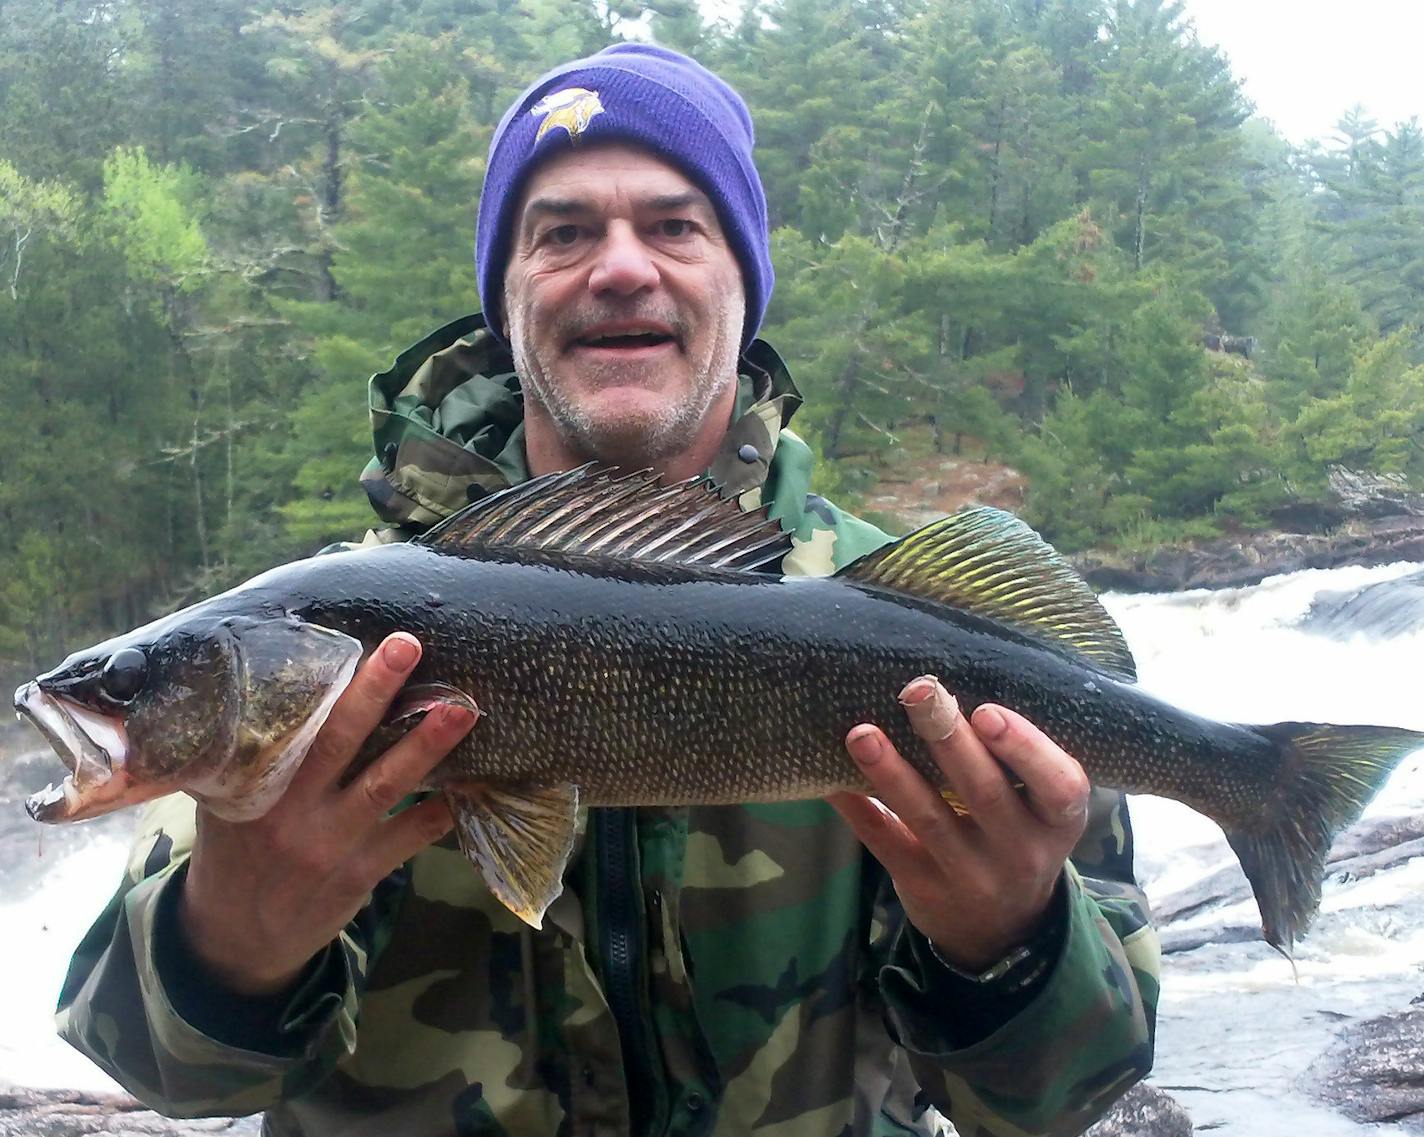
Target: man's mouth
626, 339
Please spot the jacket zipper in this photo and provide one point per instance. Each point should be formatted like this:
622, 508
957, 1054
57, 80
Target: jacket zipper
621, 954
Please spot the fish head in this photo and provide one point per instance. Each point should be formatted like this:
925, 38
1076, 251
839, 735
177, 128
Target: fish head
223, 708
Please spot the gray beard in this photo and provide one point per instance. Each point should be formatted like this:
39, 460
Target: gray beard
638, 442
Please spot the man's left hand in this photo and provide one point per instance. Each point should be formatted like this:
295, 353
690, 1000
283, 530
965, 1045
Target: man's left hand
978, 885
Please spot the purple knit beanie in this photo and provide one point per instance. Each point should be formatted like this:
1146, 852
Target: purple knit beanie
650, 96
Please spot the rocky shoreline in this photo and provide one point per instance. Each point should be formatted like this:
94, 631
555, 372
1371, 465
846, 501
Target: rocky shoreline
1237, 562
1367, 519
1144, 1112
76, 1113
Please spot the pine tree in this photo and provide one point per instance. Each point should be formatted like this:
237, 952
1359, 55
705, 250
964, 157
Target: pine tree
1165, 152
405, 265
1375, 423
1381, 227
1319, 329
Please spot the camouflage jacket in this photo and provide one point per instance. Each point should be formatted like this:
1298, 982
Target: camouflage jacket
745, 970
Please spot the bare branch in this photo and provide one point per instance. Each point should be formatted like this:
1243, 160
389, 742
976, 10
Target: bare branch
20, 241
894, 441
237, 325
261, 119
188, 450
889, 236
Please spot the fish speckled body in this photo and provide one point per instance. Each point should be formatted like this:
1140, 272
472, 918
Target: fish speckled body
672, 685
621, 652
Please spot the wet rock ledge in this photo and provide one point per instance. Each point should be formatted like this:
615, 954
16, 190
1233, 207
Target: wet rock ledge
75, 1113
1368, 520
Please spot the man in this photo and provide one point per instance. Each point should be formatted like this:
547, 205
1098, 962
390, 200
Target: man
767, 969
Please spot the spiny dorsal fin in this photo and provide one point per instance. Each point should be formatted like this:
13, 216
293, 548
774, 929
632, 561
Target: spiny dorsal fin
597, 511
988, 562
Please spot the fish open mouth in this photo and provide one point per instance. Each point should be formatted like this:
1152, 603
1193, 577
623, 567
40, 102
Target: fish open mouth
92, 746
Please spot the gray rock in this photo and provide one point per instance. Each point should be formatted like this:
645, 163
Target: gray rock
1383, 610
1144, 1111
75, 1113
1364, 849
1373, 495
1375, 1070
1236, 562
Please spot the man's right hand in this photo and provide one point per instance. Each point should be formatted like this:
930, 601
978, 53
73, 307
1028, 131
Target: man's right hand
263, 897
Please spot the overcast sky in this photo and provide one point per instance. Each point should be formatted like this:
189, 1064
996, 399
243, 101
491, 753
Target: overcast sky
1303, 62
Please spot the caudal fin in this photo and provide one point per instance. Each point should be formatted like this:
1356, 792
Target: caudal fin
1327, 776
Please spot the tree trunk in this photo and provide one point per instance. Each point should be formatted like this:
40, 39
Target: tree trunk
996, 170
330, 209
182, 364
167, 100
1139, 237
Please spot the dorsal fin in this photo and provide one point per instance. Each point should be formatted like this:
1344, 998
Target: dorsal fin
598, 511
988, 562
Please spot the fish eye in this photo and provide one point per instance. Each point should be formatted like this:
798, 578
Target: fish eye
123, 675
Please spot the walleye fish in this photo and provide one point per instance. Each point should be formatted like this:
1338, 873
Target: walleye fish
624, 649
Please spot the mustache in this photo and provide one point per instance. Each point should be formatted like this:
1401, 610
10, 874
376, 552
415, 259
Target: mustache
570, 326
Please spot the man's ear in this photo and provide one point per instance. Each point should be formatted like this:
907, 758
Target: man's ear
494, 314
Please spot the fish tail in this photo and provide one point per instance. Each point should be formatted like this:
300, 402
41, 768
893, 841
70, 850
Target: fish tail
1327, 776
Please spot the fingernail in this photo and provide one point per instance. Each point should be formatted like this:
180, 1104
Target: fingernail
455, 716
933, 711
990, 722
400, 653
867, 753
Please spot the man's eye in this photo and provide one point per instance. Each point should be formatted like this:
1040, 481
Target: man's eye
562, 235
675, 227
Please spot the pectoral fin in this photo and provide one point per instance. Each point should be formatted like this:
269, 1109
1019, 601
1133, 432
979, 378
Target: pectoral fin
405, 714
419, 699
520, 838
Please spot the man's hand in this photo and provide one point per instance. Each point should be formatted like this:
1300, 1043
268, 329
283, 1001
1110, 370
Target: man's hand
263, 897
978, 885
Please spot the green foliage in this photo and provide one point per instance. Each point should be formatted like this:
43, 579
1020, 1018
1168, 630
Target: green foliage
839, 316
1319, 329
28, 208
1172, 439
1001, 226
1071, 486
1374, 206
145, 209
1376, 422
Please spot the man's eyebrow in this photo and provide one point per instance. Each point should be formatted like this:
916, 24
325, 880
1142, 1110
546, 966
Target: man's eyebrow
666, 202
572, 207
557, 206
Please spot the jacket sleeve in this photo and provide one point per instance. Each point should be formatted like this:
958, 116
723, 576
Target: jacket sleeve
137, 1005
1056, 1065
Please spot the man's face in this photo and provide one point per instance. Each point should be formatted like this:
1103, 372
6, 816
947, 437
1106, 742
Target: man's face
624, 303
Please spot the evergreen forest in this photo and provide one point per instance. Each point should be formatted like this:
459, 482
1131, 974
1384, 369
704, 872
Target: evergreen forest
1044, 232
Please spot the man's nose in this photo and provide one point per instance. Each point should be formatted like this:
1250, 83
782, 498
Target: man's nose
624, 266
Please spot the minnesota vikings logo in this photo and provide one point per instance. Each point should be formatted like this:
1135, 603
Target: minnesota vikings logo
573, 109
